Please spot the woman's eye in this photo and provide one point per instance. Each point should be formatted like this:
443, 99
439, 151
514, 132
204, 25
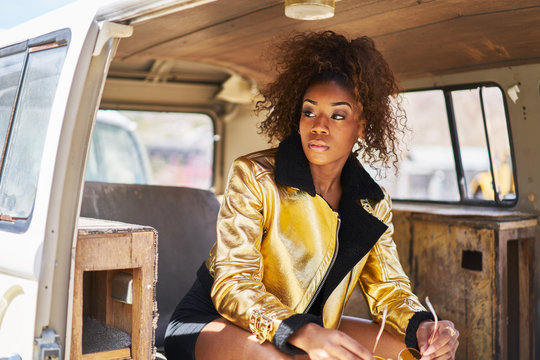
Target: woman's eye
308, 113
338, 117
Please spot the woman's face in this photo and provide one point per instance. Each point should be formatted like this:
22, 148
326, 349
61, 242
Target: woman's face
330, 124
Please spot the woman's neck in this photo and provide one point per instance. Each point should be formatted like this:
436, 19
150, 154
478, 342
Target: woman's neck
327, 182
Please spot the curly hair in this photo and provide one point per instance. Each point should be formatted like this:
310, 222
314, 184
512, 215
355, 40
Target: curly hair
318, 57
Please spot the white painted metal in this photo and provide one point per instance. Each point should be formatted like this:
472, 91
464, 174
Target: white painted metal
22, 260
40, 261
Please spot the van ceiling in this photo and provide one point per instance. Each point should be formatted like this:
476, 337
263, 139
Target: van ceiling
418, 37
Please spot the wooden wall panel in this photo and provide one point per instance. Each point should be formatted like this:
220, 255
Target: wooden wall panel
477, 270
461, 295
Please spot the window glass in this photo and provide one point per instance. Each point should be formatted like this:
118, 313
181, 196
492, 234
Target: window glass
471, 137
120, 158
10, 73
176, 149
92, 170
499, 145
427, 170
455, 134
25, 148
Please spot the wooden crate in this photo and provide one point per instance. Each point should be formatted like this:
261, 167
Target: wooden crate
103, 249
477, 268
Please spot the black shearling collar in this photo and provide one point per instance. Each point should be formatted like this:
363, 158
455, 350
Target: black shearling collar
292, 169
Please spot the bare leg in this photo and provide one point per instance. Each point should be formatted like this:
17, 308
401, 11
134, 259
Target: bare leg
234, 343
365, 332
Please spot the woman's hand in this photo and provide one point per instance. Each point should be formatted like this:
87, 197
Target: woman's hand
321, 343
444, 343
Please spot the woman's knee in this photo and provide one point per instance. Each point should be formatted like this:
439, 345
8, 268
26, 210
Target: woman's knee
232, 342
365, 332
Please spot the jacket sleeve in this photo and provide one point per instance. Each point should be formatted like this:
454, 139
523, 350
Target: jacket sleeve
384, 282
238, 292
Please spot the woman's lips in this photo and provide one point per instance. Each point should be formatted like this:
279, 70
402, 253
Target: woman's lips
318, 147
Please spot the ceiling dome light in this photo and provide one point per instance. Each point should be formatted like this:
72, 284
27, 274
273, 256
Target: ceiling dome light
309, 9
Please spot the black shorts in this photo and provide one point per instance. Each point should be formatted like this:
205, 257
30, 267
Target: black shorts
191, 315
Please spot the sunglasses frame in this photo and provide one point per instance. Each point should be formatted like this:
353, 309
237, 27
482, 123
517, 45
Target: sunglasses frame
413, 353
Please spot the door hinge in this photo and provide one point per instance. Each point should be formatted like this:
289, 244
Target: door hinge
47, 346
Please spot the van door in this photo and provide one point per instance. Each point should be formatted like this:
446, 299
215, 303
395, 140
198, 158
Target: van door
51, 76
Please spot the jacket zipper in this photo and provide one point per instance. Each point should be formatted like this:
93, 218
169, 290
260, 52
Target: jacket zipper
329, 268
343, 307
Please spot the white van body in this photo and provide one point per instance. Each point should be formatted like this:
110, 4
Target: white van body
36, 265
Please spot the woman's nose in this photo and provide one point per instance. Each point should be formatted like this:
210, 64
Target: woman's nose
320, 126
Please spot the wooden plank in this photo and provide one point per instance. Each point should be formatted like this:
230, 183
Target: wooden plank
236, 34
87, 289
530, 223
501, 308
88, 226
442, 212
516, 325
481, 42
510, 331
108, 300
108, 355
97, 296
99, 257
145, 278
190, 21
138, 319
77, 316
526, 297
403, 240
463, 296
97, 252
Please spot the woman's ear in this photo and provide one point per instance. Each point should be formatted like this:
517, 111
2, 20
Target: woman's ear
362, 128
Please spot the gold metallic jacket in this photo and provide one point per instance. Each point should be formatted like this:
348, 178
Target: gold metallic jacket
276, 244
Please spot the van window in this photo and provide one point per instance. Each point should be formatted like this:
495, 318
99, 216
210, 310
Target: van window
11, 67
458, 149
26, 100
116, 154
176, 149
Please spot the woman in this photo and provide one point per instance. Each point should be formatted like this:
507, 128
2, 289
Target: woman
302, 224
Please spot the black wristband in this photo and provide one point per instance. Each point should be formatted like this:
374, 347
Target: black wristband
410, 335
288, 327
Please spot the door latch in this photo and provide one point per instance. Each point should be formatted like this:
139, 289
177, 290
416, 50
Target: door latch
47, 347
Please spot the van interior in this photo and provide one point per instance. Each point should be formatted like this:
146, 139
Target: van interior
211, 59
177, 108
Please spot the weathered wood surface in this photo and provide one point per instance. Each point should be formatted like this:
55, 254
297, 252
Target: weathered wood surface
416, 37
109, 355
436, 247
466, 297
104, 248
476, 266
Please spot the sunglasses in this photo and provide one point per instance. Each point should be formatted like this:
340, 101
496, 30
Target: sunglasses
406, 353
